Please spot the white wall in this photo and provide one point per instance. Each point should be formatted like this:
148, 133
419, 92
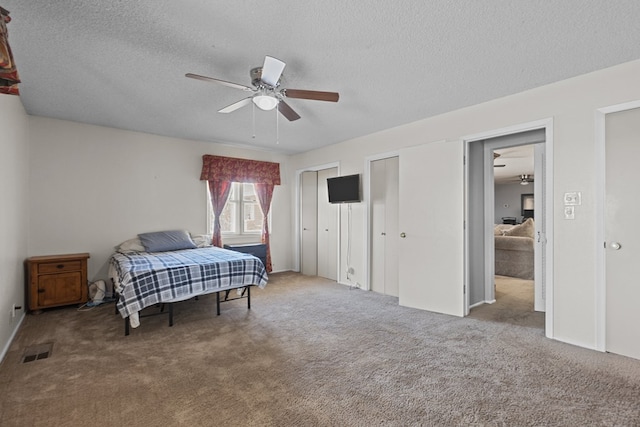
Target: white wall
93, 187
14, 196
571, 104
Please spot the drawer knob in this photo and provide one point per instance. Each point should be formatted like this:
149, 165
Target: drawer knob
60, 266
41, 291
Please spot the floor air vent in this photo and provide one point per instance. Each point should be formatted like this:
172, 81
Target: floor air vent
37, 352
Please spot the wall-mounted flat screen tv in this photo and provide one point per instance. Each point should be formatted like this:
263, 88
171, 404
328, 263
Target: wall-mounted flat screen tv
344, 189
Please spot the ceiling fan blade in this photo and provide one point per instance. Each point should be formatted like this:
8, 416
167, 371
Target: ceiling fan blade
499, 166
236, 105
287, 111
272, 70
223, 82
311, 94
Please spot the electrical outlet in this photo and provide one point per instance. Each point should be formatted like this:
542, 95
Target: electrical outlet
569, 212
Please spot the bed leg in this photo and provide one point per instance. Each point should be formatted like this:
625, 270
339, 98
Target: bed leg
218, 303
170, 314
126, 326
248, 297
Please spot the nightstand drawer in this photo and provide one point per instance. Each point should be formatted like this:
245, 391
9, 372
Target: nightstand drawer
58, 267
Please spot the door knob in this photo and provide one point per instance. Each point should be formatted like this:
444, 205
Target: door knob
403, 235
615, 246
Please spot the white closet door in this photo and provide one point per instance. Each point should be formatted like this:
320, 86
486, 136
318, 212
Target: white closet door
309, 223
378, 238
431, 255
327, 228
384, 226
391, 226
622, 233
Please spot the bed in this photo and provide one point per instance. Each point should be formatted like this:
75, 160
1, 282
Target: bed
142, 279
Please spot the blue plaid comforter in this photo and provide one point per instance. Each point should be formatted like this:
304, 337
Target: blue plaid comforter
150, 278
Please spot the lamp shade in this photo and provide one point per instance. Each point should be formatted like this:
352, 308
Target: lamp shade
265, 102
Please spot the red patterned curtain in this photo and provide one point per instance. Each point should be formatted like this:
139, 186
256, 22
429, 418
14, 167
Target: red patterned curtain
265, 193
8, 73
219, 191
222, 171
218, 168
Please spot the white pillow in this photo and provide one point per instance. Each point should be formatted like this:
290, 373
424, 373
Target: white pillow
131, 245
201, 240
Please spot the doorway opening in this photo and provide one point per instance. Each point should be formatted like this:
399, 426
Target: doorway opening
514, 233
508, 192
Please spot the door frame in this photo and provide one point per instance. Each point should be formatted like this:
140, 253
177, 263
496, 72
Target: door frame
547, 125
298, 214
366, 190
601, 283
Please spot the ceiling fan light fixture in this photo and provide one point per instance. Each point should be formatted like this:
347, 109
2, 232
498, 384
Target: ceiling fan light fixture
265, 102
524, 179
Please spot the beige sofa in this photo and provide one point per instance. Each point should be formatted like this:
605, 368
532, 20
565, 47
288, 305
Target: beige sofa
514, 246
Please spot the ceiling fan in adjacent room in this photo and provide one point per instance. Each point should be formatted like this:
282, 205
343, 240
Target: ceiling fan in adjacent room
265, 93
525, 179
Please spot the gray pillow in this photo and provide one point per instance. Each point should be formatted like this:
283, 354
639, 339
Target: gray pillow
162, 241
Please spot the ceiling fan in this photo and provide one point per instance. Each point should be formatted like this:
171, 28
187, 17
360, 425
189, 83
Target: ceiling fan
265, 93
525, 179
495, 156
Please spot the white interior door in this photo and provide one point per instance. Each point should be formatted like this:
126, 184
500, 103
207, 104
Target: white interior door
384, 225
392, 237
540, 209
327, 230
622, 234
377, 202
309, 223
431, 219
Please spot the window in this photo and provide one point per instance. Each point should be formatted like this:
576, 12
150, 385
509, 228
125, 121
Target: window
242, 213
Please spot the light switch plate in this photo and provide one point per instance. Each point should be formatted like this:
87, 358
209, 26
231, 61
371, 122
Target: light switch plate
573, 198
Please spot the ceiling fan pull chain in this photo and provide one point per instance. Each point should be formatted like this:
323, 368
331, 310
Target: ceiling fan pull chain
253, 119
277, 128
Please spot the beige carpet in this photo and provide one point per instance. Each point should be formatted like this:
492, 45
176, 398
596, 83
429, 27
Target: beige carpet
309, 353
514, 304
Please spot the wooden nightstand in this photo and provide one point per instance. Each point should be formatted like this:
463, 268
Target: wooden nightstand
56, 280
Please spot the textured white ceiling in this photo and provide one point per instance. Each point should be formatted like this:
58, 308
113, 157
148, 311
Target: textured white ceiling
122, 63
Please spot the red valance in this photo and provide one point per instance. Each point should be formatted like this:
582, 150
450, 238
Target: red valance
219, 168
8, 74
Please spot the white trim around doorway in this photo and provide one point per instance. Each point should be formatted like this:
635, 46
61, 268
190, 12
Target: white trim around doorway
546, 124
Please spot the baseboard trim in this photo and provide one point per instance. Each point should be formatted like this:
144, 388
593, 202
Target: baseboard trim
5, 350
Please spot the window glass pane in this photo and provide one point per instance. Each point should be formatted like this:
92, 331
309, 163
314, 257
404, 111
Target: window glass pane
233, 194
248, 192
228, 222
252, 217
